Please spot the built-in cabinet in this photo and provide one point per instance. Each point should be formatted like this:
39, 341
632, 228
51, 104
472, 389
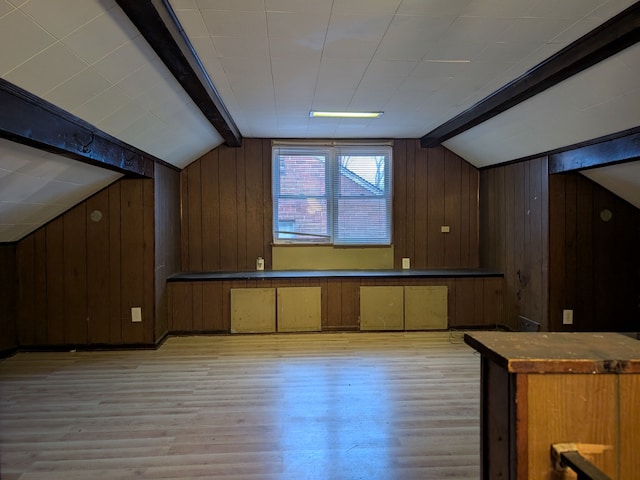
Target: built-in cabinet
201, 303
403, 307
282, 309
299, 309
253, 310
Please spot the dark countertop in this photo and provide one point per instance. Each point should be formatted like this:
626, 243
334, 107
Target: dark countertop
290, 274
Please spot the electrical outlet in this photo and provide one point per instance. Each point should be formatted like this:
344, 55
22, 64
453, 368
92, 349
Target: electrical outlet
567, 317
406, 263
445, 229
136, 314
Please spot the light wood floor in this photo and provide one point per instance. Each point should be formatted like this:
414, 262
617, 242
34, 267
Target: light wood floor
288, 406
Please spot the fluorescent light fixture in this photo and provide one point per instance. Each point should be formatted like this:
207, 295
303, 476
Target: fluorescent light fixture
315, 113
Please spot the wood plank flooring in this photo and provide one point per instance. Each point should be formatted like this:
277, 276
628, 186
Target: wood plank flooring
287, 406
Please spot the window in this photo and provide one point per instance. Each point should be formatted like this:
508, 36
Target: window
337, 195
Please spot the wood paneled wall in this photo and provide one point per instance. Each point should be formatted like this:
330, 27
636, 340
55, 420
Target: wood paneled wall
594, 264
433, 187
8, 297
206, 306
515, 235
227, 212
167, 240
226, 208
78, 279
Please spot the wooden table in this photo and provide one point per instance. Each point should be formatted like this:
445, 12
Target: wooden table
539, 389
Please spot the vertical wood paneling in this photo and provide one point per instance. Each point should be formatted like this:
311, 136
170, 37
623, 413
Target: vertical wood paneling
518, 221
148, 268
492, 219
184, 219
593, 266
570, 235
210, 208
226, 304
228, 210
435, 208
98, 271
410, 187
492, 294
241, 208
557, 254
180, 319
468, 227
55, 282
197, 319
194, 217
212, 302
75, 275
479, 301
556, 250
8, 298
537, 236
463, 303
420, 219
512, 262
27, 288
267, 202
627, 237
254, 207
442, 189
452, 210
132, 258
115, 266
39, 323
334, 305
584, 237
166, 204
83, 277
234, 196
350, 304
514, 231
399, 201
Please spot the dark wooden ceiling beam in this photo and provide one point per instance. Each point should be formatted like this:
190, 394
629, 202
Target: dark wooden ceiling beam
611, 37
603, 152
158, 24
30, 120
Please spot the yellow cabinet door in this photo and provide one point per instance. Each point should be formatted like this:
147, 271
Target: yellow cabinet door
425, 307
299, 309
382, 308
253, 310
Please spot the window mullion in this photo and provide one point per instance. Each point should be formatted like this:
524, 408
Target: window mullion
330, 188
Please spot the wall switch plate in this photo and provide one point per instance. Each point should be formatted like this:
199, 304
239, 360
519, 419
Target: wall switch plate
406, 263
567, 317
136, 314
445, 228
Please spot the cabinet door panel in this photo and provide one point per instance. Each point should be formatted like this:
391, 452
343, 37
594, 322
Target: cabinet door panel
425, 307
253, 310
382, 308
299, 309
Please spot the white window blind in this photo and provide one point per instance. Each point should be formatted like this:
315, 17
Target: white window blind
332, 194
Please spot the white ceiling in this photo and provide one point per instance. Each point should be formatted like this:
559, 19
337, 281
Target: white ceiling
35, 186
420, 61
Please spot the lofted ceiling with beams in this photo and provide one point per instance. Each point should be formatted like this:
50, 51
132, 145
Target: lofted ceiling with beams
422, 62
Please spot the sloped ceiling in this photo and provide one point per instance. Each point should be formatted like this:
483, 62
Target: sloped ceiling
272, 61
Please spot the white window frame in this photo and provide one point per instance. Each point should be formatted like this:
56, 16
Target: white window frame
331, 197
